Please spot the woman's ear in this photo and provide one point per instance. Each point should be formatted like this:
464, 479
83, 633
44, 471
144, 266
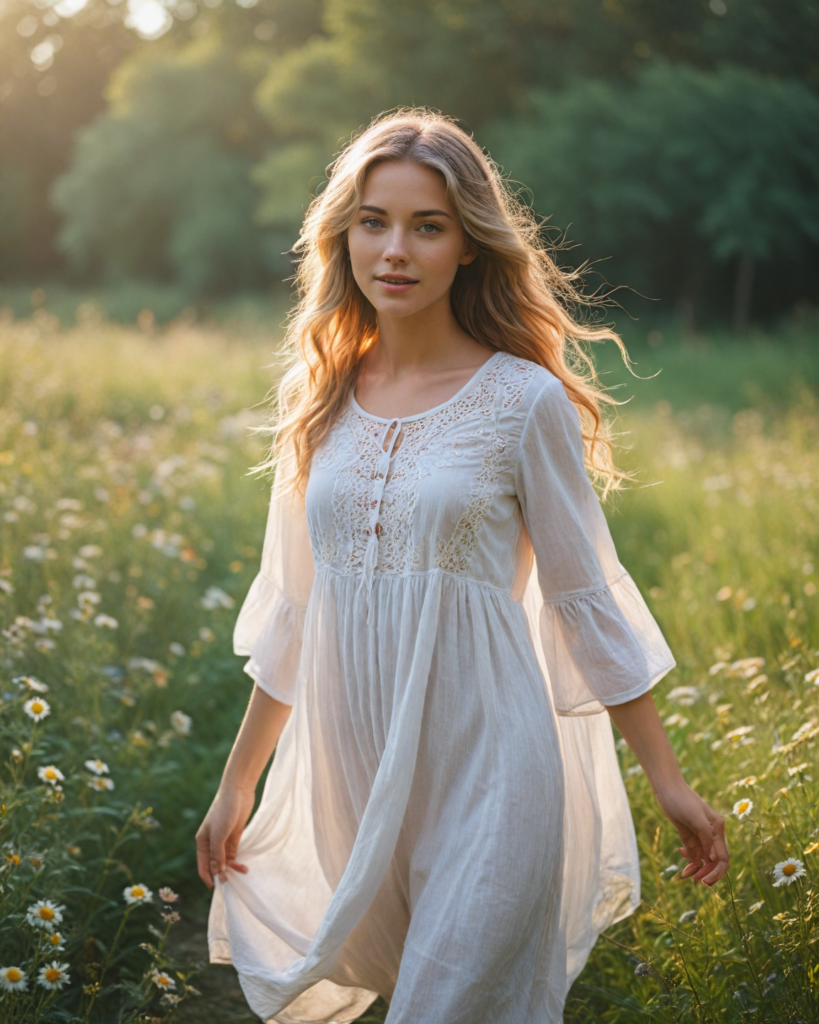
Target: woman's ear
470, 253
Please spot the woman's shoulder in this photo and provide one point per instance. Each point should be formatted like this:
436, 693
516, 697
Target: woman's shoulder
532, 382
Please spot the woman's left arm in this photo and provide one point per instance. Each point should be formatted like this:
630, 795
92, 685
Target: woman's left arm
701, 829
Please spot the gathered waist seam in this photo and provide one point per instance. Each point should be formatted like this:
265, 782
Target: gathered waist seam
418, 574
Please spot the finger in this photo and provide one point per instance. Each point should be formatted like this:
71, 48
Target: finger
723, 858
243, 868
217, 858
203, 859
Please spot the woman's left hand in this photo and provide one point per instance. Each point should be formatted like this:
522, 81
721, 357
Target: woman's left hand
701, 830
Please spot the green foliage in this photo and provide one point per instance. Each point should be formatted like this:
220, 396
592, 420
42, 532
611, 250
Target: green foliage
185, 205
115, 473
726, 161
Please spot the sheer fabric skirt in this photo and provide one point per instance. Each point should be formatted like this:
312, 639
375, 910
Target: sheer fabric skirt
410, 837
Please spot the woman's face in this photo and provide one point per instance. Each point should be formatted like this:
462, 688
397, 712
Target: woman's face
406, 242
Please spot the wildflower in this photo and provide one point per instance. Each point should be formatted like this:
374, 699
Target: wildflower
739, 732
168, 895
177, 649
742, 808
206, 634
83, 582
163, 980
724, 593
97, 766
171, 917
88, 597
812, 848
37, 708
684, 695
105, 621
36, 861
756, 906
745, 667
56, 941
813, 677
90, 551
12, 979
49, 773
44, 914
797, 769
53, 975
137, 894
181, 723
787, 871
16, 755
31, 683
689, 915
100, 784
642, 970
13, 858
215, 597
749, 780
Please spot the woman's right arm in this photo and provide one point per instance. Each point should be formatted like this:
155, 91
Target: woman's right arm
218, 836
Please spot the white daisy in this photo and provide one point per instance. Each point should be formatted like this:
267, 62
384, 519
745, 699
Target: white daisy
742, 808
37, 708
163, 980
53, 975
181, 723
168, 895
44, 914
51, 774
12, 979
787, 871
31, 683
813, 677
57, 941
97, 766
137, 894
105, 621
100, 783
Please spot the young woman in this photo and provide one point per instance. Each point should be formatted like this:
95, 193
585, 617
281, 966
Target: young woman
439, 625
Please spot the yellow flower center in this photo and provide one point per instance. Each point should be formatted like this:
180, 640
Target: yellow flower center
743, 807
137, 892
46, 913
36, 707
789, 869
14, 974
13, 858
55, 939
50, 773
163, 979
52, 974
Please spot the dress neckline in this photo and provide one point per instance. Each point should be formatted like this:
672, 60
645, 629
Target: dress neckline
473, 380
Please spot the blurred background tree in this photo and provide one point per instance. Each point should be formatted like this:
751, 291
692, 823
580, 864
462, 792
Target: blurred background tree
180, 141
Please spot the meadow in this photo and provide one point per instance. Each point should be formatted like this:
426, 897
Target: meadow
129, 533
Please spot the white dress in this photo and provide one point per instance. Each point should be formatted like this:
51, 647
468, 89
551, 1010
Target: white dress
444, 821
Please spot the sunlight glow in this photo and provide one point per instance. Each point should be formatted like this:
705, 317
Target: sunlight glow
148, 18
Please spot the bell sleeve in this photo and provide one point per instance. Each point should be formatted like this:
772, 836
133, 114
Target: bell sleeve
270, 626
601, 644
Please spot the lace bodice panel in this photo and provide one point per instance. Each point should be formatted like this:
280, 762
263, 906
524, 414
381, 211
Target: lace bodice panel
429, 492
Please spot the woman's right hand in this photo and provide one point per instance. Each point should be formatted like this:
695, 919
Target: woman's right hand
217, 839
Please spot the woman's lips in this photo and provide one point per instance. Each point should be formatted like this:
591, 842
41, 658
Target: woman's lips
396, 285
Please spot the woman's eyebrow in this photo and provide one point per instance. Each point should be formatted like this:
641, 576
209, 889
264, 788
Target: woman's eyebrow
418, 213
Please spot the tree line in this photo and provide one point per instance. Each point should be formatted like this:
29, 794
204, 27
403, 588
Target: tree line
677, 144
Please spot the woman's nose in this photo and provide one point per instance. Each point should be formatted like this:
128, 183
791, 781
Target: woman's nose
396, 248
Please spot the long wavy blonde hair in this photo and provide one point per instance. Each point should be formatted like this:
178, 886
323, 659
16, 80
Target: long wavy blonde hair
513, 297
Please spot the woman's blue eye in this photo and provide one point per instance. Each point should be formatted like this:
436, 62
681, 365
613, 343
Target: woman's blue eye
370, 221
434, 227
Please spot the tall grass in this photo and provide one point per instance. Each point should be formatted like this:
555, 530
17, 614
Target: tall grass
129, 532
